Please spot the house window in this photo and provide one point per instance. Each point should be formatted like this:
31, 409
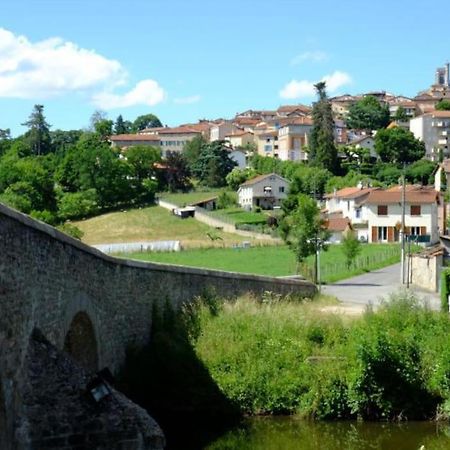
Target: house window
414, 231
281, 189
267, 148
267, 189
382, 233
382, 210
415, 210
358, 213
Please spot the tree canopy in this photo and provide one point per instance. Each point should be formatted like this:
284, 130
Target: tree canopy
398, 146
213, 164
322, 150
368, 114
146, 121
443, 105
302, 226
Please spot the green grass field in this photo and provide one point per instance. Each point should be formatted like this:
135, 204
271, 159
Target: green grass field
277, 260
151, 224
238, 215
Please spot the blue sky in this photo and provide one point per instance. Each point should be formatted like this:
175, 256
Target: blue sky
186, 60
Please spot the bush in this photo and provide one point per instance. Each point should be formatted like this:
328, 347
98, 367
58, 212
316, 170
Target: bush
71, 230
445, 290
45, 216
226, 200
78, 204
279, 357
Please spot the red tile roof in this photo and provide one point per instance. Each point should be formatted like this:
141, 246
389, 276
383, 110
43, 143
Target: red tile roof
295, 121
292, 108
349, 193
337, 223
134, 137
389, 197
260, 178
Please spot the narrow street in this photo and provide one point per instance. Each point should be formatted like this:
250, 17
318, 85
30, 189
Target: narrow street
373, 287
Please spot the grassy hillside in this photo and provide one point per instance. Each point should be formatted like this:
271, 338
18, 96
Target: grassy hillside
151, 224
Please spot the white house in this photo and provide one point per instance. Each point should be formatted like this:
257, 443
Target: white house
383, 212
264, 191
367, 142
348, 203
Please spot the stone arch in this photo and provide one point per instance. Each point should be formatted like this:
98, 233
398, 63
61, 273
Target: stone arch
81, 342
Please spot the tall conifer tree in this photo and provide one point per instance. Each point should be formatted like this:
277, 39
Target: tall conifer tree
322, 150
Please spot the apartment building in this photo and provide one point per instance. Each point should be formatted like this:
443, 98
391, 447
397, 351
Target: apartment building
433, 129
293, 137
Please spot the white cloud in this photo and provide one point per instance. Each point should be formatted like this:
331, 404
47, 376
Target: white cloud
313, 56
146, 92
187, 100
304, 88
54, 67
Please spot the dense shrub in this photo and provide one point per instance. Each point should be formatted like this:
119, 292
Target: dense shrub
282, 357
77, 205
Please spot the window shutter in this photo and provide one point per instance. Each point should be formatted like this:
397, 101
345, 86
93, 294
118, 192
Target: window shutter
374, 234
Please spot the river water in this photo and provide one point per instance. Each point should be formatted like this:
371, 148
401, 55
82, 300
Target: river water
290, 433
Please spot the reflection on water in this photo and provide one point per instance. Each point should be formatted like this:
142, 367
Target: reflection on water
288, 433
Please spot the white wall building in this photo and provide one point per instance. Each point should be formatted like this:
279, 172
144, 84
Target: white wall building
433, 129
264, 191
383, 211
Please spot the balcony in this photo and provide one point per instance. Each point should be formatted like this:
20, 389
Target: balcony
442, 141
444, 133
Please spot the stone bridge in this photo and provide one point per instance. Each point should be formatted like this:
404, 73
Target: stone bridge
59, 296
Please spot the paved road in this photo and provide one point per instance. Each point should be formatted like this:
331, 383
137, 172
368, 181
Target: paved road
372, 287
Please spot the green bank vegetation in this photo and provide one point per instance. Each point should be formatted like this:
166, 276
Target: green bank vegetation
283, 357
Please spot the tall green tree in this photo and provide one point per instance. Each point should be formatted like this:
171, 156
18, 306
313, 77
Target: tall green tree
213, 164
122, 126
38, 134
351, 247
176, 173
142, 159
368, 114
104, 128
192, 149
302, 226
146, 121
322, 150
398, 146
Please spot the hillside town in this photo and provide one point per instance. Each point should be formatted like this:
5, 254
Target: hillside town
284, 133
373, 214
224, 226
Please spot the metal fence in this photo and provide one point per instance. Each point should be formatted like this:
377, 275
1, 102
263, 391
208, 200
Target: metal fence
360, 262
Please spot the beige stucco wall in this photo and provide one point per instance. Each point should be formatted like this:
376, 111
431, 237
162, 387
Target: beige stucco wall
425, 272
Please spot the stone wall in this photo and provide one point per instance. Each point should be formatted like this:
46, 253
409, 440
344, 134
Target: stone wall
47, 278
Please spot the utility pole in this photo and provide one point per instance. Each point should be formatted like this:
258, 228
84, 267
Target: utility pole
402, 232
